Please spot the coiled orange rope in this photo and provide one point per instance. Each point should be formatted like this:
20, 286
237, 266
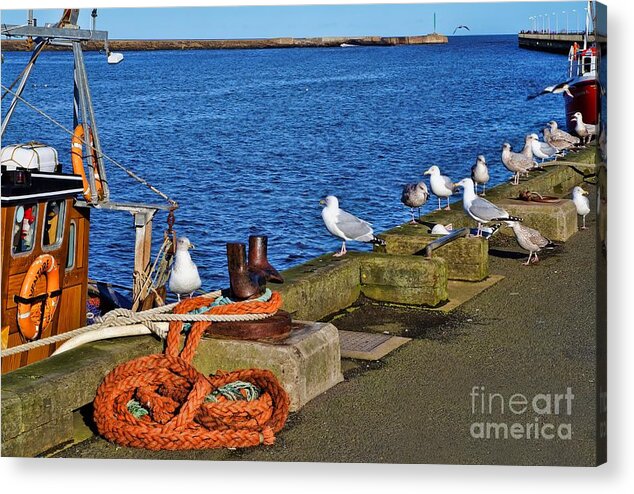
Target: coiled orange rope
174, 393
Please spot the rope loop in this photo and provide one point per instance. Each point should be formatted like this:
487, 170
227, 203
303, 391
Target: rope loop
161, 402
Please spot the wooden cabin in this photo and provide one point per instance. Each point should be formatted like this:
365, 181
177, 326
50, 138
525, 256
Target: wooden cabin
40, 220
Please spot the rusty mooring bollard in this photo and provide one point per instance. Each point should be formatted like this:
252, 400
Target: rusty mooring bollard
248, 281
244, 284
258, 260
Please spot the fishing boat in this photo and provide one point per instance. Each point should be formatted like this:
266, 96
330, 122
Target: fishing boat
583, 75
48, 197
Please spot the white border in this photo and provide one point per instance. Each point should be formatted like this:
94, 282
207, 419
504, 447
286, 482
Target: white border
52, 476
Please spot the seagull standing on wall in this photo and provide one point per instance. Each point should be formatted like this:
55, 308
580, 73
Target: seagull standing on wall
414, 196
480, 209
346, 226
184, 278
480, 174
441, 185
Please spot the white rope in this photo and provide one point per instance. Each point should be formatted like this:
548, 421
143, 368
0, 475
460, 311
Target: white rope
125, 317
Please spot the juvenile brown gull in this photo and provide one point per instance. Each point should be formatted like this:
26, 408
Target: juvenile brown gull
530, 240
346, 226
414, 196
515, 162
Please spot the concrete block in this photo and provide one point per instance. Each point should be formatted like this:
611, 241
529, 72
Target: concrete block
557, 221
320, 287
307, 363
467, 258
36, 396
39, 439
403, 279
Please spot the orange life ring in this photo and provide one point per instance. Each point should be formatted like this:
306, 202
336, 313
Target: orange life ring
77, 159
28, 322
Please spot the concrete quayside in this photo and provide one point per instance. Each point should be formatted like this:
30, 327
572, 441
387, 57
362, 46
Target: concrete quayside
46, 406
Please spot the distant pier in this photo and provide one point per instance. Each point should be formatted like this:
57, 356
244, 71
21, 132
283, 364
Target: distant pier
555, 42
233, 44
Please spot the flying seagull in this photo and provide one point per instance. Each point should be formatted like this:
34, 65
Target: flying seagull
462, 26
184, 278
480, 209
414, 196
562, 87
530, 239
441, 185
346, 226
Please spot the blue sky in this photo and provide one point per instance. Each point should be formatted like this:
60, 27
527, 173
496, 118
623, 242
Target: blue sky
315, 20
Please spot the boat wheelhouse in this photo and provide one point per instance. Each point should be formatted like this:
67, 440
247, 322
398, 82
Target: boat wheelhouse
584, 85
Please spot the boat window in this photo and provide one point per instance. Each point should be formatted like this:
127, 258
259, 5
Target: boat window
70, 258
54, 225
587, 64
24, 227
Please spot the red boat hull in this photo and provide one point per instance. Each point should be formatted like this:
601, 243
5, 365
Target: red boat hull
586, 99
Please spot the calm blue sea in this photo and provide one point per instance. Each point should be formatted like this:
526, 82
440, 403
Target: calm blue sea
248, 141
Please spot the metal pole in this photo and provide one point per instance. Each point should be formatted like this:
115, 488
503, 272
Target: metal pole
88, 116
556, 22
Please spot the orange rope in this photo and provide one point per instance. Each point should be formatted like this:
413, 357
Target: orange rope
174, 392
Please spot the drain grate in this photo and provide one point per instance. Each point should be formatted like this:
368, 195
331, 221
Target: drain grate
368, 346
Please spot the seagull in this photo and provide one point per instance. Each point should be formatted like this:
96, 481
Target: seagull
441, 185
184, 278
562, 87
582, 203
530, 239
557, 134
515, 162
527, 150
543, 150
346, 226
414, 196
584, 131
462, 26
480, 209
562, 145
480, 174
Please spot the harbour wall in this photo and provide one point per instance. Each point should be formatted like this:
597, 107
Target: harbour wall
43, 403
556, 43
236, 44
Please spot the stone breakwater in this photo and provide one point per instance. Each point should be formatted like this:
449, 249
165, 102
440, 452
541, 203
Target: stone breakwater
236, 44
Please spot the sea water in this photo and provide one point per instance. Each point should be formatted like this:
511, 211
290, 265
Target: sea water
248, 141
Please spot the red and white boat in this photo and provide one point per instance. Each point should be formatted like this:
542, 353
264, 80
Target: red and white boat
583, 72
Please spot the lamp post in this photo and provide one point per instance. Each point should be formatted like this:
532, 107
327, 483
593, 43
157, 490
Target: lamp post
556, 22
566, 14
548, 19
577, 17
